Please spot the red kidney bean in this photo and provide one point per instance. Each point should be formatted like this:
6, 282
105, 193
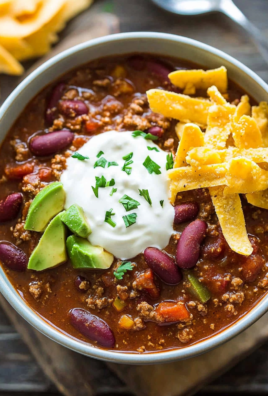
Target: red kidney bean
160, 69
156, 131
163, 266
50, 143
215, 247
13, 257
185, 212
188, 249
81, 283
72, 108
92, 327
137, 62
10, 207
55, 96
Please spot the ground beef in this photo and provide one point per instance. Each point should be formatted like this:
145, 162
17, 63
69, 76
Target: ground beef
146, 311
185, 335
35, 289
58, 164
19, 232
236, 283
236, 298
122, 292
21, 149
138, 324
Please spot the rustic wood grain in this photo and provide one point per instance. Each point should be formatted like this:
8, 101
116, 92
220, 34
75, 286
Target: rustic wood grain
18, 369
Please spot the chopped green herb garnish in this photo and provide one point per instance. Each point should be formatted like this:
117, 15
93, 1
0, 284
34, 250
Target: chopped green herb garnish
113, 191
80, 157
162, 203
100, 154
147, 136
126, 167
129, 203
153, 148
108, 217
170, 162
130, 219
101, 182
151, 166
110, 183
124, 267
128, 157
100, 162
112, 164
145, 194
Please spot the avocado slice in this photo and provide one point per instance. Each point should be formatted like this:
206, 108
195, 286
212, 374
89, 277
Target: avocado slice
47, 203
51, 249
85, 255
76, 221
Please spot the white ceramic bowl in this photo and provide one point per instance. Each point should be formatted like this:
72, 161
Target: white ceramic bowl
155, 43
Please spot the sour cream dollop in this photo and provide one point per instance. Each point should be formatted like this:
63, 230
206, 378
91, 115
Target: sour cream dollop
154, 223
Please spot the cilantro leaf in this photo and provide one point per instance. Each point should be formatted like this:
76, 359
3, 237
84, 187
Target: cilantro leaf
145, 194
101, 182
80, 157
130, 219
147, 136
153, 148
129, 203
113, 191
100, 154
108, 217
124, 267
100, 162
126, 168
162, 203
151, 166
170, 162
112, 164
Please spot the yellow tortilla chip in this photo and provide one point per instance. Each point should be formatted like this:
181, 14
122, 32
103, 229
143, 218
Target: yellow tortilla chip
206, 156
179, 129
216, 96
189, 178
189, 89
243, 108
259, 199
260, 115
178, 106
8, 64
191, 137
13, 27
22, 8
200, 79
246, 133
232, 221
219, 127
244, 176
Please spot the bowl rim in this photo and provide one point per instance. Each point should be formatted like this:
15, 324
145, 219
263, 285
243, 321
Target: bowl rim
13, 297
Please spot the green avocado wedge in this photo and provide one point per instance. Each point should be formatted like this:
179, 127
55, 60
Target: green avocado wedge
76, 221
51, 249
47, 204
84, 255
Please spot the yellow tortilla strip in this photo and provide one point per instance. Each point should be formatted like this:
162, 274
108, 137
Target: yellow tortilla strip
22, 8
200, 79
216, 96
11, 27
188, 178
232, 221
179, 129
244, 176
260, 115
243, 108
191, 137
205, 156
8, 64
178, 106
259, 199
219, 127
246, 133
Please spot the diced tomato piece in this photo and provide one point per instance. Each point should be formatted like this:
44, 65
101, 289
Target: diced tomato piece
251, 267
92, 125
145, 281
214, 247
79, 141
215, 281
108, 279
172, 311
32, 178
45, 174
19, 171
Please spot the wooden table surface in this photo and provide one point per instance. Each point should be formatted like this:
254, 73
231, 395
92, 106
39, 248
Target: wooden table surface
19, 373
